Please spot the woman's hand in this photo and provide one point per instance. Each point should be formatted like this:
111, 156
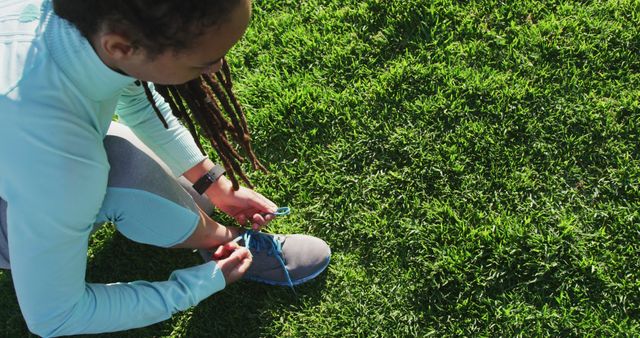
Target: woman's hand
244, 205
233, 260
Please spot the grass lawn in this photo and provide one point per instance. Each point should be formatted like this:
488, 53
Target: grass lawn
474, 166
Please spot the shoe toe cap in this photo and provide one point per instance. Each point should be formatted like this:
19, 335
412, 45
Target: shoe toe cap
305, 256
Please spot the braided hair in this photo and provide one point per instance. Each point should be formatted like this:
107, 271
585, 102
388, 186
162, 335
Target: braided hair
208, 106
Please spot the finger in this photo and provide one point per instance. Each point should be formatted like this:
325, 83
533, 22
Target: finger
265, 202
233, 260
223, 251
241, 219
245, 264
262, 203
219, 253
258, 221
244, 253
231, 246
242, 260
245, 259
238, 257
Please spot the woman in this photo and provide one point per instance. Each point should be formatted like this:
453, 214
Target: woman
67, 67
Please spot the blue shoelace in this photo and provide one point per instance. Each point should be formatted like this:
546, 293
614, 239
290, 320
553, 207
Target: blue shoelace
257, 241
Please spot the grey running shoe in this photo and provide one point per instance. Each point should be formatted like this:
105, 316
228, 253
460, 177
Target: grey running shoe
285, 260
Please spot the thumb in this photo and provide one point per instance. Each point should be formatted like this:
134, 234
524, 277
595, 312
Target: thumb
234, 266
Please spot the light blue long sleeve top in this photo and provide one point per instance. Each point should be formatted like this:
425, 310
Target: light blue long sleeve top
57, 100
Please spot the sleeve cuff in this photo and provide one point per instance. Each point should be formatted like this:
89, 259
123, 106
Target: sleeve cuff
201, 280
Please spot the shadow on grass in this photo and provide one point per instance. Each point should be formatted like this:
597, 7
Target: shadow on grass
248, 309
243, 309
13, 325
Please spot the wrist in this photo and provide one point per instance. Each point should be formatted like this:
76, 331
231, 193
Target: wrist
208, 179
221, 187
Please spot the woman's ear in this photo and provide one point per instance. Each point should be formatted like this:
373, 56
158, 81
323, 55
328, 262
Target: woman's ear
116, 46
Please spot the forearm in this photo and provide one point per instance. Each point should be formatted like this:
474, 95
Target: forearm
174, 145
123, 306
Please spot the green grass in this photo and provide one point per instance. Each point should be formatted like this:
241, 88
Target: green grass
474, 166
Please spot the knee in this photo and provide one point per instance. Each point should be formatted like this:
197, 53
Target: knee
133, 166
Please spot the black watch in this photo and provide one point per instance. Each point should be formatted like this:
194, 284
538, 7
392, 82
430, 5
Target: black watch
207, 179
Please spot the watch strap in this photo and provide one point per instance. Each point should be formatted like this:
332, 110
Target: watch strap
204, 182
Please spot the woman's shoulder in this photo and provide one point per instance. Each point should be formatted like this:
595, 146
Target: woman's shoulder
21, 46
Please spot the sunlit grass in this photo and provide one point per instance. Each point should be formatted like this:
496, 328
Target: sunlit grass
474, 166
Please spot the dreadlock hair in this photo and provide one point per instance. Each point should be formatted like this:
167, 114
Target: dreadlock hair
201, 103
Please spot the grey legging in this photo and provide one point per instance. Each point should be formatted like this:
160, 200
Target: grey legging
143, 176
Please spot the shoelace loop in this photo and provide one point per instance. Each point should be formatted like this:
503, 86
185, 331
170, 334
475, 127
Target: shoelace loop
257, 241
282, 211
